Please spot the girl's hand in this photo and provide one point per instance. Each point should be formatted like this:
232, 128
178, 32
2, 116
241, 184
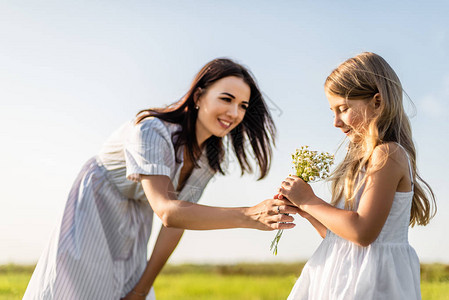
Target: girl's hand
271, 214
296, 190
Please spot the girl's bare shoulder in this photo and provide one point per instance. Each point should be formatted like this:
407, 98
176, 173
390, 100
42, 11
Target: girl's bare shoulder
390, 155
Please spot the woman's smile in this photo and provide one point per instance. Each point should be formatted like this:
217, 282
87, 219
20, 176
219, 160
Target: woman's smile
224, 124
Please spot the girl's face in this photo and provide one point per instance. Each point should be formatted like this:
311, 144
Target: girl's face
222, 107
352, 116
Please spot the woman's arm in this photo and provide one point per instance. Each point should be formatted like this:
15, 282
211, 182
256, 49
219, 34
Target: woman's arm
364, 225
182, 214
165, 245
175, 213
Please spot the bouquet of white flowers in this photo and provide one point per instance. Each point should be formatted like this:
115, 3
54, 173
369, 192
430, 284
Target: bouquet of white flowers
310, 166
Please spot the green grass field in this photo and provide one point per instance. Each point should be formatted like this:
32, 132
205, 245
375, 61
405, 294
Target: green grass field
219, 282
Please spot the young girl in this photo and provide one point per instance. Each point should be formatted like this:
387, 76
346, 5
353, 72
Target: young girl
159, 162
377, 193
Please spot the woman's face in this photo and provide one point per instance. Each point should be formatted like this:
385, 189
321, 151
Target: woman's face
351, 116
222, 107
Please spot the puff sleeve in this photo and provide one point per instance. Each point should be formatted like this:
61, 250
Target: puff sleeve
149, 150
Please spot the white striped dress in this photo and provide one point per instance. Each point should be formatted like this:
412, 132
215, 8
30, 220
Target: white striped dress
99, 249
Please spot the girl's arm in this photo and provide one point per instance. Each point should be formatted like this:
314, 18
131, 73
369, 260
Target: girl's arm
364, 225
322, 230
182, 214
165, 245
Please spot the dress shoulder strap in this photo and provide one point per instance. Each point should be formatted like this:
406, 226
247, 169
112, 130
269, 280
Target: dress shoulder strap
409, 165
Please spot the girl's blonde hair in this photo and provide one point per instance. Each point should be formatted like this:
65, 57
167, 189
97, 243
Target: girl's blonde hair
361, 78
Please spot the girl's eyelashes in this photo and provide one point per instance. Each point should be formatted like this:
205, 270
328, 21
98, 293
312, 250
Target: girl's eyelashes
244, 106
343, 108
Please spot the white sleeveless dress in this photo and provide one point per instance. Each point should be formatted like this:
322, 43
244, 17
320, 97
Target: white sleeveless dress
386, 269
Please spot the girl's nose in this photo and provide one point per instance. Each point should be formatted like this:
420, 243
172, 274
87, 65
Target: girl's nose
338, 122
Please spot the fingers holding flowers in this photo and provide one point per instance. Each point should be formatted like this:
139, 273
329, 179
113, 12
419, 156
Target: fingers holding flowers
281, 219
272, 214
295, 190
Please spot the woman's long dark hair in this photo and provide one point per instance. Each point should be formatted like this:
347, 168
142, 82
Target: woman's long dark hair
257, 126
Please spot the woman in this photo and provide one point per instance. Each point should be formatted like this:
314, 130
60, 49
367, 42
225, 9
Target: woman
160, 162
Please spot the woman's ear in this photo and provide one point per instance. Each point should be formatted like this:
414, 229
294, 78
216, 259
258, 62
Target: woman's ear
377, 100
196, 96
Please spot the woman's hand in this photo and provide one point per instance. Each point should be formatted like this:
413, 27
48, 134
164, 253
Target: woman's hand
297, 191
302, 213
271, 214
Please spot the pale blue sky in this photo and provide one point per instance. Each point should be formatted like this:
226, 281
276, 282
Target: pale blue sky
72, 71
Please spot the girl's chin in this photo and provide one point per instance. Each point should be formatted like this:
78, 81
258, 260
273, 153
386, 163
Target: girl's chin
354, 139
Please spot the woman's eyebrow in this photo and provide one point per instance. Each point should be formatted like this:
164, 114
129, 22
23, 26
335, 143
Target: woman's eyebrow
230, 95
233, 97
